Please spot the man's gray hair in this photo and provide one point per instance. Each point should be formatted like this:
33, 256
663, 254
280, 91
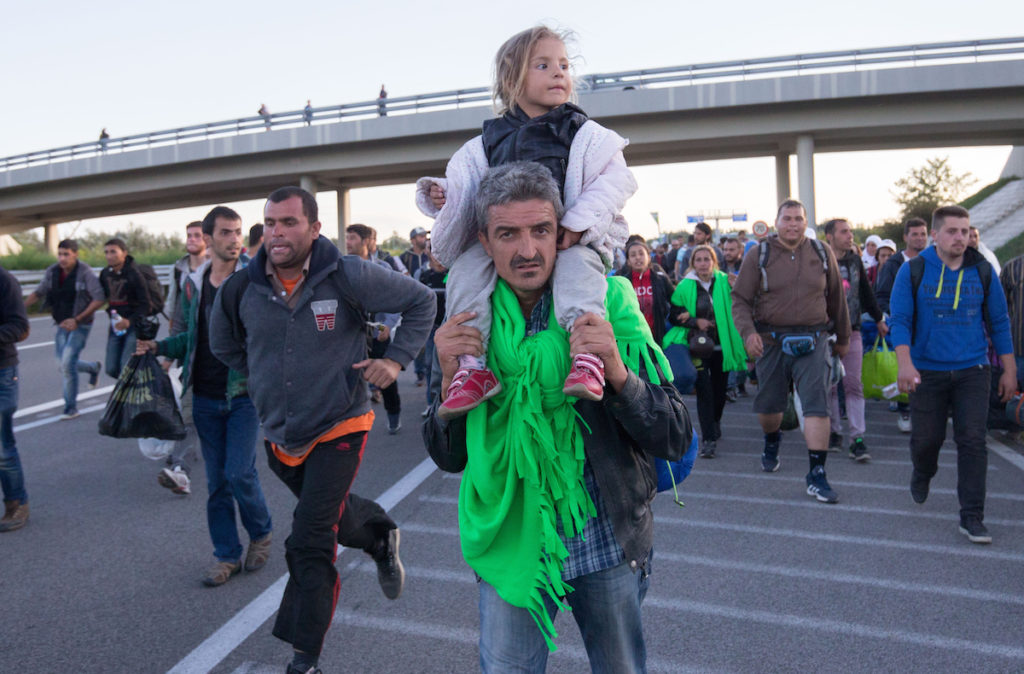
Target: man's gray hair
512, 183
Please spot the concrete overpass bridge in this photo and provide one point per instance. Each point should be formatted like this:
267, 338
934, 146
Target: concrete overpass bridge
934, 95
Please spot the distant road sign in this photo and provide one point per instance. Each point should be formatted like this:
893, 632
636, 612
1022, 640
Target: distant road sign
739, 217
694, 219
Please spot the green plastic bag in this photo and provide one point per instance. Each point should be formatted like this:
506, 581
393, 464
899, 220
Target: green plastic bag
790, 418
880, 369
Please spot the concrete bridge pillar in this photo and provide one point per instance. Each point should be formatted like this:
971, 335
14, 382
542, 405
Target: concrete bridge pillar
308, 183
51, 237
344, 210
805, 175
782, 189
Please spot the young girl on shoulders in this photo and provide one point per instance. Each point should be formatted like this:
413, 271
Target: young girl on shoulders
538, 122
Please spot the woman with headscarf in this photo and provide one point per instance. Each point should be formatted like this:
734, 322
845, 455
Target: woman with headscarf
703, 304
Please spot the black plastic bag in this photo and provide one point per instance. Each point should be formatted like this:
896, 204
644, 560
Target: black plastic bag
142, 404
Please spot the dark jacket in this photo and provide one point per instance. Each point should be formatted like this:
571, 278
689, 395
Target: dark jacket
621, 435
546, 139
860, 298
87, 289
14, 326
182, 346
299, 360
886, 277
126, 291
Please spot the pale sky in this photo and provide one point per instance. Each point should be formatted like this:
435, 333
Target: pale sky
72, 68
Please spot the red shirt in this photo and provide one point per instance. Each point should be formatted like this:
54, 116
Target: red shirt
644, 294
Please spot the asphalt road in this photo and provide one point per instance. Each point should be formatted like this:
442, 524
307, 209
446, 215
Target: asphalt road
752, 575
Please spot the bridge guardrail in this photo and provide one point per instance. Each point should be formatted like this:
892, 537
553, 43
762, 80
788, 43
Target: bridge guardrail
797, 64
30, 278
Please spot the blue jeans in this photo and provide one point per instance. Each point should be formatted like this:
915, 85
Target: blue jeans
428, 356
606, 607
119, 350
227, 434
69, 345
682, 368
12, 480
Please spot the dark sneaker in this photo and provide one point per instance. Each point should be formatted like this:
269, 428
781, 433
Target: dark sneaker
835, 442
94, 375
919, 487
974, 530
394, 423
293, 669
818, 487
859, 451
708, 450
390, 572
259, 552
770, 456
741, 392
220, 573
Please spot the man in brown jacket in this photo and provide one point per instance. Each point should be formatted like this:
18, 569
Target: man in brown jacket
787, 300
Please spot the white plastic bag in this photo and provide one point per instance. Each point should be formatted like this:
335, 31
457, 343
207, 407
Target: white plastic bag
154, 448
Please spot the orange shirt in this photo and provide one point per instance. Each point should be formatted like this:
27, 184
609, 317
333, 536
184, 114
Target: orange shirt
289, 284
363, 422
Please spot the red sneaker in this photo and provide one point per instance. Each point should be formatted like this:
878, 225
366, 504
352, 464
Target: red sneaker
586, 379
468, 389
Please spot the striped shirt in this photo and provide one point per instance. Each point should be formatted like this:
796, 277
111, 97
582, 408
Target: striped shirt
595, 549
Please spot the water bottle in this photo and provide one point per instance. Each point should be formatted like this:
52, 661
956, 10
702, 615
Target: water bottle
114, 319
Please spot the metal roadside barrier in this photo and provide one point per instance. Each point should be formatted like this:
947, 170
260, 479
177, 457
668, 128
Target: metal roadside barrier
797, 64
30, 278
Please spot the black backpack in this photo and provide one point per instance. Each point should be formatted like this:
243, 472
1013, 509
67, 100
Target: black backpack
154, 292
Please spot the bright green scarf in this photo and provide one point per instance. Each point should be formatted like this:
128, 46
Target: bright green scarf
525, 469
734, 355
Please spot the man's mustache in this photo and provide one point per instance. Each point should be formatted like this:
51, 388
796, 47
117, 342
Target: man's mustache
519, 261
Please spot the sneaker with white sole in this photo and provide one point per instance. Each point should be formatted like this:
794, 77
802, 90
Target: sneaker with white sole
468, 389
903, 422
67, 416
390, 571
975, 531
176, 480
818, 486
94, 376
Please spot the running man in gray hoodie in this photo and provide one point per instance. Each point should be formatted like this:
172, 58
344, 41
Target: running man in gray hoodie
294, 322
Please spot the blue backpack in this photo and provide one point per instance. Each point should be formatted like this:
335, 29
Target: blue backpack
671, 473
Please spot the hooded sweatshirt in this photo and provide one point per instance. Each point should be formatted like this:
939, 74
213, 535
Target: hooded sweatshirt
950, 332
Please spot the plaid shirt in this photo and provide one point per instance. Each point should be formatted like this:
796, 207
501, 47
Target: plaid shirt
596, 548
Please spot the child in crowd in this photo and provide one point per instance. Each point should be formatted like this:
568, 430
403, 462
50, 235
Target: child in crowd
532, 92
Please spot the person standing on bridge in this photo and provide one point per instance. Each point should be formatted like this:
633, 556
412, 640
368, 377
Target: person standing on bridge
538, 123
787, 299
222, 412
14, 328
294, 321
265, 114
73, 293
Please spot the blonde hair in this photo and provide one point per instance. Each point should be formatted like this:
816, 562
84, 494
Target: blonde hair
513, 60
711, 251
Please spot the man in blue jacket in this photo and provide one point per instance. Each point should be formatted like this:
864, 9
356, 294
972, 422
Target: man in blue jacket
942, 303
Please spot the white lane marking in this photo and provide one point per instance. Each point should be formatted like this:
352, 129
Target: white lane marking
698, 496
229, 636
55, 418
459, 635
33, 346
42, 407
760, 475
1002, 450
41, 318
973, 551
849, 578
837, 627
